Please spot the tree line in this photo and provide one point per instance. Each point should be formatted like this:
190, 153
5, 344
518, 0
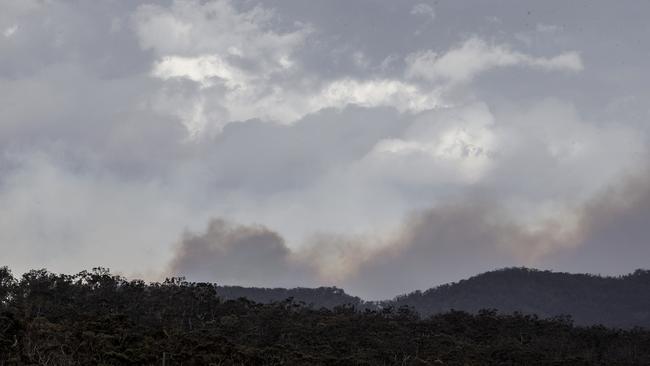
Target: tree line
97, 318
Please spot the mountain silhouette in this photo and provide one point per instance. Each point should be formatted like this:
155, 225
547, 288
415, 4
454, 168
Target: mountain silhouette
622, 301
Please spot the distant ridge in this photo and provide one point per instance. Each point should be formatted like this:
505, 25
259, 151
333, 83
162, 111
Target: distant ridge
622, 301
327, 297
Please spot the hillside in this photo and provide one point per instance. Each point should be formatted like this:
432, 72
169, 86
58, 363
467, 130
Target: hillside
327, 297
613, 301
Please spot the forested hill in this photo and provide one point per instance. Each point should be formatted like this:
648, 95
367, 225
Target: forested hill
328, 297
613, 301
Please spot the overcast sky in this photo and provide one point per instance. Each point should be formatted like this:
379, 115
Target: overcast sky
380, 146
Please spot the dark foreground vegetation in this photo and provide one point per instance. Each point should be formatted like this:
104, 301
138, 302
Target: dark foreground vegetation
95, 318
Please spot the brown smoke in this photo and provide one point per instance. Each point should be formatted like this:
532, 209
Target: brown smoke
608, 234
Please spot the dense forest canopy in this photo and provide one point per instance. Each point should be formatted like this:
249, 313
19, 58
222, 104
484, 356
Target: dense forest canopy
94, 317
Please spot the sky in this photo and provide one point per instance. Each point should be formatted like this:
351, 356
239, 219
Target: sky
375, 145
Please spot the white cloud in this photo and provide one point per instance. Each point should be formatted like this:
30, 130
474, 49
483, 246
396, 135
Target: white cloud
238, 60
237, 97
202, 69
9, 31
423, 9
245, 70
475, 56
193, 28
376, 93
446, 146
568, 61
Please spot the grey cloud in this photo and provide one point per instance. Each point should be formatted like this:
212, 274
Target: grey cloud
268, 158
95, 160
94, 36
97, 124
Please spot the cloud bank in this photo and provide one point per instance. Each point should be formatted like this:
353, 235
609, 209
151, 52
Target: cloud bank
319, 145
